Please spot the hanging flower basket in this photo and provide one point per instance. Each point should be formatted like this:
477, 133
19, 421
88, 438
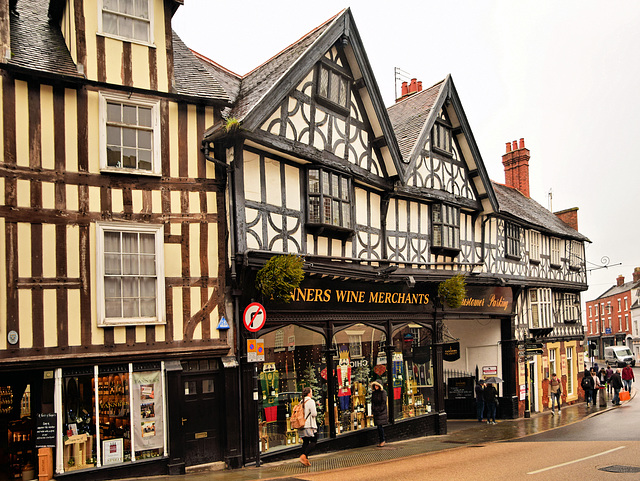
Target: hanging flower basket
453, 291
280, 276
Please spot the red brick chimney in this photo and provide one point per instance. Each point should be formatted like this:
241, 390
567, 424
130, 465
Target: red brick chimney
569, 217
620, 280
516, 167
636, 274
409, 89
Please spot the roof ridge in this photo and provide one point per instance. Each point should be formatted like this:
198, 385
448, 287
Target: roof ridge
208, 60
292, 44
415, 94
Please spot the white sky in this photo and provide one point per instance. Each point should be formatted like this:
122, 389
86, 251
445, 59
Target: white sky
563, 75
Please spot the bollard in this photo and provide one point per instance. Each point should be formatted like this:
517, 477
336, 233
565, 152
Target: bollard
602, 397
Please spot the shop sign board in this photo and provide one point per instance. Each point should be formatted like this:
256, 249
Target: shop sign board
46, 430
460, 387
112, 451
489, 371
451, 351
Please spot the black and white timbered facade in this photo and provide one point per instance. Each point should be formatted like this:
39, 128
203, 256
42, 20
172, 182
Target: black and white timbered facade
169, 182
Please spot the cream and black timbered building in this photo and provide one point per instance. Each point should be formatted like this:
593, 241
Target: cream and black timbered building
112, 252
144, 188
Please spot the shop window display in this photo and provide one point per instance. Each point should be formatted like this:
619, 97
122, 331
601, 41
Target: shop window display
124, 399
282, 376
359, 361
413, 390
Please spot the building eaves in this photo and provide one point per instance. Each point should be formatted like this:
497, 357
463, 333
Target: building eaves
257, 83
37, 44
517, 205
617, 290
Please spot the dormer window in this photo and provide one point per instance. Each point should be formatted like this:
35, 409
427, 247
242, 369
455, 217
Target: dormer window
127, 19
329, 199
333, 87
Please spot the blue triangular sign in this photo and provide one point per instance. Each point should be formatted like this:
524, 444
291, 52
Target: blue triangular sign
223, 324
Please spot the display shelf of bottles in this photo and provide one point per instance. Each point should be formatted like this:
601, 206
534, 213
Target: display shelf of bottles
6, 399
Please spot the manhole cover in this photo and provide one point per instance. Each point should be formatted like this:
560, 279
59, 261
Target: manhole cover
621, 469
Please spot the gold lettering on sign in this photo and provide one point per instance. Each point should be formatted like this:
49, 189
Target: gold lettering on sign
498, 302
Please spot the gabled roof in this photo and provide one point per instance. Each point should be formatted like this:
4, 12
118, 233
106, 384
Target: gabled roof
523, 208
36, 44
615, 290
413, 118
194, 77
262, 89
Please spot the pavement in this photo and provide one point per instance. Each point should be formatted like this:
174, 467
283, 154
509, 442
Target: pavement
461, 433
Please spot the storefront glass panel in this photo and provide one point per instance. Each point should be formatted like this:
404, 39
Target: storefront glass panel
130, 406
78, 419
294, 359
360, 359
412, 366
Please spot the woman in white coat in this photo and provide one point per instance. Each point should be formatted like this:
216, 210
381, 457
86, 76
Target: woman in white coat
309, 433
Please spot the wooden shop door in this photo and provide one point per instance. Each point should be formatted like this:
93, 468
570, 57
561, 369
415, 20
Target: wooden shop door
202, 418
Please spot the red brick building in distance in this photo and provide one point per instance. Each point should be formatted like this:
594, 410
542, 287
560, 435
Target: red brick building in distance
609, 316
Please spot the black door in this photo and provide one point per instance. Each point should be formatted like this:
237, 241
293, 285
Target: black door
203, 418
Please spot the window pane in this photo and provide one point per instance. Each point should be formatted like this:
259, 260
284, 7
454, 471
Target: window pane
112, 264
144, 160
147, 243
113, 135
130, 308
141, 30
142, 8
130, 265
126, 6
334, 185
128, 137
130, 287
327, 210
334, 88
324, 82
125, 27
314, 209
109, 23
325, 183
346, 215
114, 112
336, 213
129, 158
344, 191
112, 242
112, 287
148, 308
130, 114
113, 157
147, 265
110, 5
147, 287
342, 94
437, 235
314, 182
207, 386
190, 388
436, 210
113, 308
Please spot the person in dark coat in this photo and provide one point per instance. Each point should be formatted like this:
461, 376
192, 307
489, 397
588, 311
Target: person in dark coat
587, 385
490, 400
379, 408
616, 384
480, 399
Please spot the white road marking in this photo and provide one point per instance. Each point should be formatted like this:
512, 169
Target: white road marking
577, 460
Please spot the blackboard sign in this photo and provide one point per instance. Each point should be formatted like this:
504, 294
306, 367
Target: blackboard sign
46, 431
460, 388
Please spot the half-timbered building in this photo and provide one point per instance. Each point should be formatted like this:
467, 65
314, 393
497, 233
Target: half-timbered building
112, 251
384, 205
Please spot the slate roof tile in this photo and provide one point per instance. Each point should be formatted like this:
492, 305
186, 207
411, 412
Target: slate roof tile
193, 76
513, 202
36, 44
409, 116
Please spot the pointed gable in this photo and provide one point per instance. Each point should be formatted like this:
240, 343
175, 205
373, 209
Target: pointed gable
438, 148
266, 92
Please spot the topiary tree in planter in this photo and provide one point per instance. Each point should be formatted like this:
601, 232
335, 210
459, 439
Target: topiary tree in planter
280, 276
453, 291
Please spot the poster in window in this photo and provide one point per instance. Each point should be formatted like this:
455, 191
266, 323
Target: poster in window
147, 405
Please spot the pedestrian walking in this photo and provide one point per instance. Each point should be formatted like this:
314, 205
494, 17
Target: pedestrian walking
616, 384
596, 386
555, 391
587, 386
627, 377
608, 373
480, 399
379, 408
308, 433
491, 402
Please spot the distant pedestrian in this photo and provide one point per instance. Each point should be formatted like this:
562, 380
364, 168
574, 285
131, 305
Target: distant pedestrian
379, 408
480, 399
627, 377
596, 386
555, 391
308, 433
616, 384
587, 385
608, 373
491, 402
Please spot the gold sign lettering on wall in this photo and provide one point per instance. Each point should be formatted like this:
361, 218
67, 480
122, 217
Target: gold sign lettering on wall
358, 297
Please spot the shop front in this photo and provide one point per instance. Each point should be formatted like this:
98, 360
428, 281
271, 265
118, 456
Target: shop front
337, 338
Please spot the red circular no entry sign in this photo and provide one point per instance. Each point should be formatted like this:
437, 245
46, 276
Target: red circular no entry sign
254, 317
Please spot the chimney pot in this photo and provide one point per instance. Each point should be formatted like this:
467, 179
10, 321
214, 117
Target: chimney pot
413, 87
620, 280
636, 274
420, 86
522, 143
508, 147
515, 145
405, 89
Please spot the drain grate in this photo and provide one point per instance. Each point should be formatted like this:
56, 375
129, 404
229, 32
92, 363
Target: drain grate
616, 468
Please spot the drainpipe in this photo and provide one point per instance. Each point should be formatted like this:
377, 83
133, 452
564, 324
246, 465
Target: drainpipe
230, 193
